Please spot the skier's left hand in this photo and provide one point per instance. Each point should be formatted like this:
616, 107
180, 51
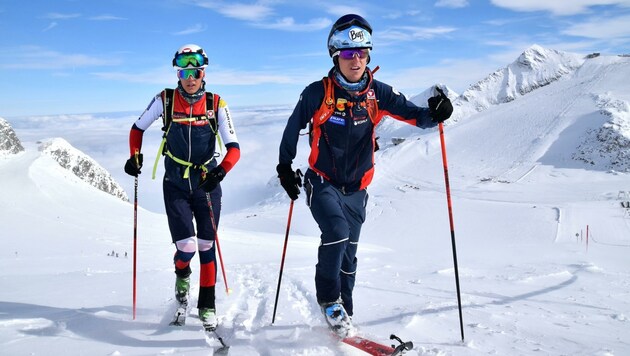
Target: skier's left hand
440, 107
213, 178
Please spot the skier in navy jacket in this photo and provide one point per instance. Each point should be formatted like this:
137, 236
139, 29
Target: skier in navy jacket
194, 119
342, 111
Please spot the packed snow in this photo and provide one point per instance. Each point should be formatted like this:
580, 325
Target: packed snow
538, 184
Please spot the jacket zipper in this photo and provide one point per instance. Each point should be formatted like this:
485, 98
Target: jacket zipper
190, 145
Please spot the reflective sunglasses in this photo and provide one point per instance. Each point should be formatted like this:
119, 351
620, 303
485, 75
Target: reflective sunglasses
351, 53
191, 72
184, 60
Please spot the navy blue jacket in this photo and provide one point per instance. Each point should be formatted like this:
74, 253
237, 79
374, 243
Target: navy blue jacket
344, 151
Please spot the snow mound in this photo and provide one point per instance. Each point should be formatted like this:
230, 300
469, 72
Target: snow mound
82, 166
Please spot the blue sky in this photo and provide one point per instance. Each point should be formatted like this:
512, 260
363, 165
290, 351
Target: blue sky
83, 56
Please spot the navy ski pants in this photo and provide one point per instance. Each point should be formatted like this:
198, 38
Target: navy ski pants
186, 210
339, 217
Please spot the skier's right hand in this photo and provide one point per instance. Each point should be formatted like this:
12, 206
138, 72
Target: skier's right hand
440, 107
291, 181
133, 165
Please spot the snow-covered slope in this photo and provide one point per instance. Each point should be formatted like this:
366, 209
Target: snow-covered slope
67, 156
549, 107
82, 166
608, 147
534, 68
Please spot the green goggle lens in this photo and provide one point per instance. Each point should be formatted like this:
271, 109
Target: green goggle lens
184, 60
187, 73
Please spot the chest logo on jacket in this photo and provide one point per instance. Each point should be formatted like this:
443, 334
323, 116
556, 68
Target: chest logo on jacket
341, 104
360, 122
337, 120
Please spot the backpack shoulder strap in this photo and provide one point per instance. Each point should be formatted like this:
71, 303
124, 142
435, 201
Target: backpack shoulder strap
372, 107
168, 95
325, 110
212, 107
212, 101
167, 118
327, 107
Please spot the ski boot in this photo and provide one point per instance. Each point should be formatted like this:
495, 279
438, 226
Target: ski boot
208, 318
338, 319
182, 286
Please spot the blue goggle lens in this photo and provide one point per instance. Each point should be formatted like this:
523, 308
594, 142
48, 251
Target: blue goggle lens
187, 73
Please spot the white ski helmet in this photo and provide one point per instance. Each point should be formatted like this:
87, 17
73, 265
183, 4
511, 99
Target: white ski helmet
190, 56
349, 31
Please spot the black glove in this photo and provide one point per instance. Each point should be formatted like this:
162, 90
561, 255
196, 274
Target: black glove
212, 179
291, 181
440, 107
132, 167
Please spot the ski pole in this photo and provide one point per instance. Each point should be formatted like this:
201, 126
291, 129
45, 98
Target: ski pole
135, 232
450, 219
284, 251
216, 240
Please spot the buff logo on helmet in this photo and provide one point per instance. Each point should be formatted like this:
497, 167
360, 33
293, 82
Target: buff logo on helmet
356, 35
352, 37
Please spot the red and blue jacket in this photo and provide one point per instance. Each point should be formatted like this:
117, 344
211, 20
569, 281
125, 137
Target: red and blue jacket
342, 147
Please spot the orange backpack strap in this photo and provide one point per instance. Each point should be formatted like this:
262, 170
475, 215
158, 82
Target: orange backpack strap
327, 107
372, 107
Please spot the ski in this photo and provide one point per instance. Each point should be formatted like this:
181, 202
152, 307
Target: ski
377, 349
179, 318
211, 333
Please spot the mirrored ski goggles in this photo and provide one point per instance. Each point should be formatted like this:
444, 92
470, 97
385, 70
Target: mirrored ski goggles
191, 72
346, 21
351, 53
184, 60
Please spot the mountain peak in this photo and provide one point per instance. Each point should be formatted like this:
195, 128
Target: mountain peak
9, 142
534, 68
535, 56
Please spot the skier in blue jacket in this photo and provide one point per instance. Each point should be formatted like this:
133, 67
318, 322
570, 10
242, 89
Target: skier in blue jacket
342, 111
